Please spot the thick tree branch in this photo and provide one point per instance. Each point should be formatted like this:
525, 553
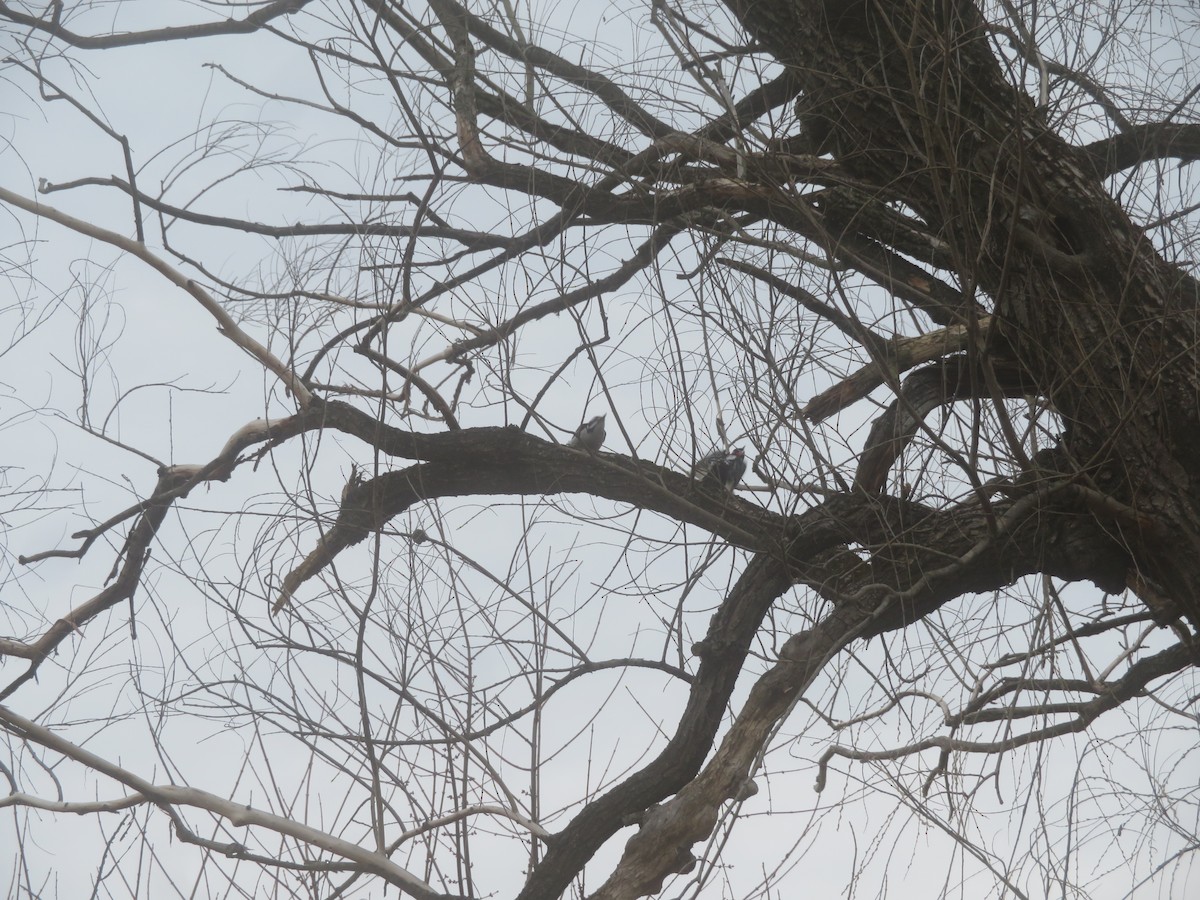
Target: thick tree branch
722, 654
490, 461
493, 461
895, 590
955, 378
1142, 143
662, 845
901, 354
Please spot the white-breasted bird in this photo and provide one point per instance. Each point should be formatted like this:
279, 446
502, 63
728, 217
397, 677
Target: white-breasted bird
721, 467
589, 436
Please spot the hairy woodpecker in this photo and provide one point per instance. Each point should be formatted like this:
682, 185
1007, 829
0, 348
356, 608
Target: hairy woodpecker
589, 436
722, 467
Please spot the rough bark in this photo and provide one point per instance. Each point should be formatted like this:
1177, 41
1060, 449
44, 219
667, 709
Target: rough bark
910, 97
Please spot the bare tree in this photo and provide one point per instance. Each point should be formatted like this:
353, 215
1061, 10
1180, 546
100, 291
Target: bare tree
324, 601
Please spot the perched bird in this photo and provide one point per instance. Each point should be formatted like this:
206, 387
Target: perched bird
589, 436
721, 467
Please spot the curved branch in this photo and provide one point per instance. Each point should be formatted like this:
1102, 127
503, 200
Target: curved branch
173, 482
181, 479
1142, 143
884, 597
491, 461
435, 399
481, 809
250, 24
920, 393
662, 845
901, 354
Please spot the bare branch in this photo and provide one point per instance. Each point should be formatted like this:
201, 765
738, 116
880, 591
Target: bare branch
237, 814
250, 24
225, 323
1143, 143
1112, 695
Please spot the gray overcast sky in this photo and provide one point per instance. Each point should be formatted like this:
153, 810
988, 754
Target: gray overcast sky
134, 329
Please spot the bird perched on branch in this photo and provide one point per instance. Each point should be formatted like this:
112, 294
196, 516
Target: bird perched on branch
721, 467
589, 436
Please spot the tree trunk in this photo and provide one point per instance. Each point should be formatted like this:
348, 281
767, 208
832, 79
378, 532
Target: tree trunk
911, 97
